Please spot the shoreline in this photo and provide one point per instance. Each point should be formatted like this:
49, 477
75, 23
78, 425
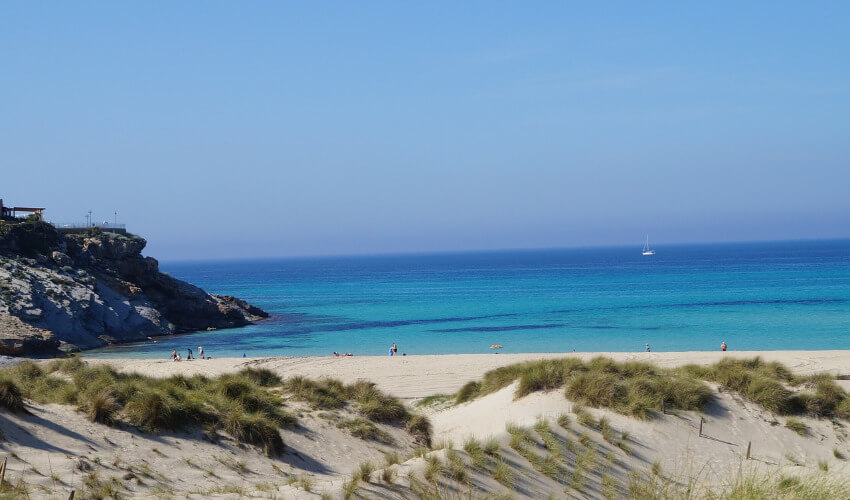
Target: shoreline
417, 376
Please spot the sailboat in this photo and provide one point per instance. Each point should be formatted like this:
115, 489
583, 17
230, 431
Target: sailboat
646, 249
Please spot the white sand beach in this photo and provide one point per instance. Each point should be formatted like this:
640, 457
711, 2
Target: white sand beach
413, 377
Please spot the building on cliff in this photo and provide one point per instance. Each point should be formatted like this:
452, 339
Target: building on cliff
13, 211
63, 228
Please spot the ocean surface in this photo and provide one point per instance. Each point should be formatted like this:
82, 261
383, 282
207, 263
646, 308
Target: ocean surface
754, 296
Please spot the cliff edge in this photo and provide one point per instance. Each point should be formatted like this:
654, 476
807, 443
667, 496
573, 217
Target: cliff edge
63, 292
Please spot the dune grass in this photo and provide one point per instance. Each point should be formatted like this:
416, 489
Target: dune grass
631, 388
774, 387
522, 441
364, 472
475, 450
247, 405
503, 474
796, 426
366, 430
745, 485
11, 396
101, 407
331, 394
639, 389
492, 447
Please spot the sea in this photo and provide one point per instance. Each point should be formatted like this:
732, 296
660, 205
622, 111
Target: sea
753, 296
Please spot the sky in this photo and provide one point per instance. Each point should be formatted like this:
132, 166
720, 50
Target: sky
260, 129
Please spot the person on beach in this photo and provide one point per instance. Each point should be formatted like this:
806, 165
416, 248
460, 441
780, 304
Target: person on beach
189, 355
395, 349
723, 346
174, 355
390, 352
201, 352
648, 349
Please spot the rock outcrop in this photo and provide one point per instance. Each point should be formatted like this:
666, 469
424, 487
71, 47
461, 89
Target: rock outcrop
83, 291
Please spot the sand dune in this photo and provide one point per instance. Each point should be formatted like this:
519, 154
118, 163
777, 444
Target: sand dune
55, 448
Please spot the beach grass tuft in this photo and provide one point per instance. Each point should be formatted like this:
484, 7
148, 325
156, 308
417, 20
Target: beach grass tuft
11, 396
101, 407
492, 447
797, 426
475, 451
503, 474
364, 471
420, 428
364, 429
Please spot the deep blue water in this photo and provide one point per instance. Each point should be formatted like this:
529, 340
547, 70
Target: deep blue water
766, 296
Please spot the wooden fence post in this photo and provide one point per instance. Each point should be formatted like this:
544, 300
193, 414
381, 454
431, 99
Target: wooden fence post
663, 410
3, 470
71, 496
701, 420
749, 447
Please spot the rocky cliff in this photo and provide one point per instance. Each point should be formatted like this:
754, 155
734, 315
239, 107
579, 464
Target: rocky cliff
83, 291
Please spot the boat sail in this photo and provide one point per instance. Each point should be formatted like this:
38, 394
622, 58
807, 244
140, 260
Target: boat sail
646, 249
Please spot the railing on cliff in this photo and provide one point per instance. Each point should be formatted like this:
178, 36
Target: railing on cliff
82, 227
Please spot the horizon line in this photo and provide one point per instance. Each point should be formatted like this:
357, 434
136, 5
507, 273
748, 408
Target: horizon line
491, 251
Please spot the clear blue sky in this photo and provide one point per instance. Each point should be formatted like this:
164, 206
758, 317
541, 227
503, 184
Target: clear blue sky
241, 129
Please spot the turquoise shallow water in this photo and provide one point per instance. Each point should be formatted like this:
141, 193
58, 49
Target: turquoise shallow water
765, 296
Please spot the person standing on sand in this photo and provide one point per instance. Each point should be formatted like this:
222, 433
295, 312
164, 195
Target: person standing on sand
395, 349
200, 352
648, 349
390, 353
189, 355
723, 346
174, 355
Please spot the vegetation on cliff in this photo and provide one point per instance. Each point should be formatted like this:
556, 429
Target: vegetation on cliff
28, 237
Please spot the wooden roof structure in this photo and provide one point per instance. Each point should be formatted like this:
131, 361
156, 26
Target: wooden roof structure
12, 211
